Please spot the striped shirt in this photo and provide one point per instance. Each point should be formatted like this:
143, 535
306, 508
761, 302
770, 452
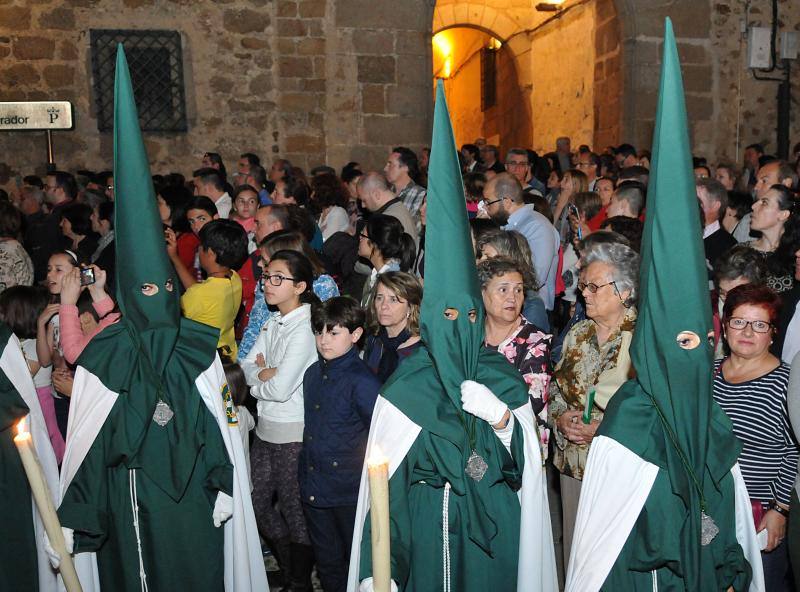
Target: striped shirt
757, 409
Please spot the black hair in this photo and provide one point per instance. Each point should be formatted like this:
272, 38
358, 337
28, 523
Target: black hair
178, 198
67, 182
296, 188
790, 239
243, 188
625, 150
757, 147
341, 310
408, 158
175, 179
85, 305
350, 171
209, 176
252, 159
10, 220
80, 218
472, 149
301, 220
630, 228
20, 307
217, 160
237, 383
388, 236
741, 202
105, 211
201, 202
33, 181
301, 270
227, 240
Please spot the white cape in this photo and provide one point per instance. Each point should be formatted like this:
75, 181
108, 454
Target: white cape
13, 363
394, 433
90, 405
616, 485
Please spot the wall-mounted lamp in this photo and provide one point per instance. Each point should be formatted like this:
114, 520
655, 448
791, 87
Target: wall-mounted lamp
552, 6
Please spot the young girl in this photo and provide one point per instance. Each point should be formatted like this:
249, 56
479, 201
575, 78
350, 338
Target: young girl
20, 307
274, 369
245, 204
48, 333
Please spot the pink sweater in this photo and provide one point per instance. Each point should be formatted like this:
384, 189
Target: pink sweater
73, 341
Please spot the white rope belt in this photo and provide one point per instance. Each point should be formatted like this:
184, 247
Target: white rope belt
135, 507
446, 537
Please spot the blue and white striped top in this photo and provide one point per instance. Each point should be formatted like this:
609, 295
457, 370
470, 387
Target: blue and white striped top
757, 409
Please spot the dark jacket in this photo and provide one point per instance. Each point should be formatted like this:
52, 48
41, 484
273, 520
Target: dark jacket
717, 244
339, 397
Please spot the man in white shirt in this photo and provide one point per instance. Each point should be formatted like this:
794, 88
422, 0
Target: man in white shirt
209, 182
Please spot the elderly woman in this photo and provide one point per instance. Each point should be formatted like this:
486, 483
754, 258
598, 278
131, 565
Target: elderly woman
594, 364
504, 283
496, 242
393, 322
751, 387
16, 268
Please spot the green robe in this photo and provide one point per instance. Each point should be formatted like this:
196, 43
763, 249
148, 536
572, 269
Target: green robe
18, 563
484, 516
181, 548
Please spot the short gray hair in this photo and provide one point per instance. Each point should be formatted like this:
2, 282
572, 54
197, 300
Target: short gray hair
625, 264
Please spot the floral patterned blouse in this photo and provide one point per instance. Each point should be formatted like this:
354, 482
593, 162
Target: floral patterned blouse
528, 349
16, 268
587, 365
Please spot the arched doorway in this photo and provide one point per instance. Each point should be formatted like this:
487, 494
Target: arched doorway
484, 93
558, 72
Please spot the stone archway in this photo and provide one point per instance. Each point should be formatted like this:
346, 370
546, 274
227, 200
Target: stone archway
618, 89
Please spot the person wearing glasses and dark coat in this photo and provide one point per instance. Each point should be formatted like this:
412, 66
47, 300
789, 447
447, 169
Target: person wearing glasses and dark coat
594, 364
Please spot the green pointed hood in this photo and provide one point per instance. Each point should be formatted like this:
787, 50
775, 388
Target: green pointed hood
667, 415
146, 291
452, 282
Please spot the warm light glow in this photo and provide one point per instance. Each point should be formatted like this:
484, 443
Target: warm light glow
376, 457
443, 47
21, 425
495, 43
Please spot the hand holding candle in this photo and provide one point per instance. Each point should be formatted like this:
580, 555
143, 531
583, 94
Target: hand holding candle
378, 469
44, 504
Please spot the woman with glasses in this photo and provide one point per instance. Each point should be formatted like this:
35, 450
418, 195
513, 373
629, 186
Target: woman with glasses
393, 322
387, 247
594, 364
751, 387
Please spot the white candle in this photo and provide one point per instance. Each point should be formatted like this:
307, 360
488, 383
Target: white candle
378, 469
44, 503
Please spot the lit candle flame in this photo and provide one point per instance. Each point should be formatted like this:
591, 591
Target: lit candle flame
376, 457
21, 426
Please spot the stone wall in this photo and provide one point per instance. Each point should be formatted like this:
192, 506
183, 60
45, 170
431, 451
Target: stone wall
313, 80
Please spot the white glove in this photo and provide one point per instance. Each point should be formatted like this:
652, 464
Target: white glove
479, 401
53, 555
366, 586
223, 508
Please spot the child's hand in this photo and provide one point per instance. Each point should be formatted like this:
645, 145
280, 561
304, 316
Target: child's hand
63, 381
71, 287
172, 242
260, 361
48, 313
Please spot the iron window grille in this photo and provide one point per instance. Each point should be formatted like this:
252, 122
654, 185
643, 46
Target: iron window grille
488, 78
155, 61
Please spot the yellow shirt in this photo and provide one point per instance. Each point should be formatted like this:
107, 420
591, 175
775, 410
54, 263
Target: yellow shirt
215, 302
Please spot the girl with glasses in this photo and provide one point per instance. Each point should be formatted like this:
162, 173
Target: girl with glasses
751, 386
274, 370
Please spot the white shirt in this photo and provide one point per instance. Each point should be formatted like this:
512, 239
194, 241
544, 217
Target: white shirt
224, 205
287, 343
710, 229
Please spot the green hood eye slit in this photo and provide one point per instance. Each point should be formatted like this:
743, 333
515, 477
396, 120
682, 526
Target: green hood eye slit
688, 340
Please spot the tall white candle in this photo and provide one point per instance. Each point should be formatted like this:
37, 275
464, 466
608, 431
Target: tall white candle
44, 503
378, 469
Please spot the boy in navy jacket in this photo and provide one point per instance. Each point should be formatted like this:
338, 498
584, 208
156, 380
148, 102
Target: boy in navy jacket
339, 392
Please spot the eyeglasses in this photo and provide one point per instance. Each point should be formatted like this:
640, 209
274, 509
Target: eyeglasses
516, 164
741, 324
593, 288
494, 201
362, 235
277, 279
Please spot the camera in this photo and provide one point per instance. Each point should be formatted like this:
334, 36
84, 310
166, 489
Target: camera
87, 276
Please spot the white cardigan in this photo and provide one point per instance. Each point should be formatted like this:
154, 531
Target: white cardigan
287, 343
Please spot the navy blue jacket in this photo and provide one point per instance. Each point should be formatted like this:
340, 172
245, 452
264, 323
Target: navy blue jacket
339, 396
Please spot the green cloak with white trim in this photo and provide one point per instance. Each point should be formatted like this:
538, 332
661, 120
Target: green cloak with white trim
498, 527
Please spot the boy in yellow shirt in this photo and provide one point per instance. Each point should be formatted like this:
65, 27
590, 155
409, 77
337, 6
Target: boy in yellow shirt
215, 301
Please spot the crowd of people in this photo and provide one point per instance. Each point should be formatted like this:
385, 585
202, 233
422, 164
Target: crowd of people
315, 282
